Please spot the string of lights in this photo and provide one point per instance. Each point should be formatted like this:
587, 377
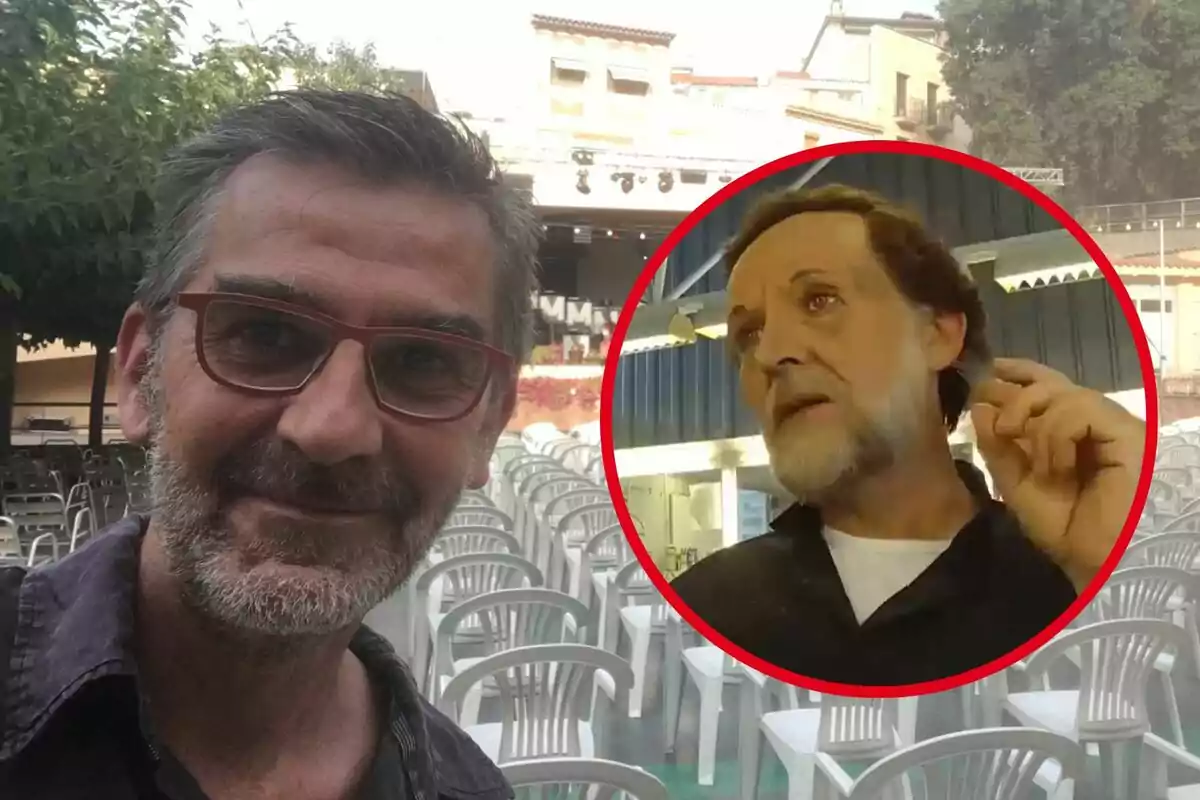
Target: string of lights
585, 233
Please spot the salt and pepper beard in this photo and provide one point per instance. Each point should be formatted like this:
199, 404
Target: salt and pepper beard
875, 437
347, 574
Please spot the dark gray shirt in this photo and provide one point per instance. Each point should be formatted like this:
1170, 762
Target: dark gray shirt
71, 722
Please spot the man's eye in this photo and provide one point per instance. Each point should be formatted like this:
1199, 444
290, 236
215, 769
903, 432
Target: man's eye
819, 302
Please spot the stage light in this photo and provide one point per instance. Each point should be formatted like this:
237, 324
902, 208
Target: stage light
582, 184
666, 181
627, 183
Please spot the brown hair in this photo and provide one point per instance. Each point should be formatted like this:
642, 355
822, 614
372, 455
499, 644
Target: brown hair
923, 268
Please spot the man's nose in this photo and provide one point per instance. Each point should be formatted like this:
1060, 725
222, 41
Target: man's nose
781, 344
335, 417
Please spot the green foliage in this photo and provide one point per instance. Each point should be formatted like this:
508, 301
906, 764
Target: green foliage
1107, 89
92, 94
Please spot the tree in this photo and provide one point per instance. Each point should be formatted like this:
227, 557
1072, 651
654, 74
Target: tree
1105, 89
93, 93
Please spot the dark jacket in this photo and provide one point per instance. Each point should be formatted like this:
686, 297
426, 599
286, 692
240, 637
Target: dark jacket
70, 722
779, 597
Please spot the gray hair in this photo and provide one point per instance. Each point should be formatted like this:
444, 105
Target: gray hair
388, 139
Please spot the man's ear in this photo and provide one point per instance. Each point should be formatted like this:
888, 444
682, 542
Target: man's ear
496, 418
947, 334
133, 362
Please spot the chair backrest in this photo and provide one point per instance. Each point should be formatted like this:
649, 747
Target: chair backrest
463, 539
607, 549
471, 498
507, 451
1116, 661
1177, 550
857, 727
37, 513
1179, 455
541, 689
1186, 521
539, 488
511, 618
473, 574
581, 779
10, 542
523, 466
580, 514
576, 456
987, 764
1164, 495
476, 516
1142, 592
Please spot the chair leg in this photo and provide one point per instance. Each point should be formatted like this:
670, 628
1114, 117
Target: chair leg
673, 685
638, 658
801, 770
710, 712
470, 707
1172, 707
420, 663
749, 742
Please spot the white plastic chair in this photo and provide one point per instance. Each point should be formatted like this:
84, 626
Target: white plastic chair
989, 764
1148, 593
710, 669
499, 621
599, 560
849, 728
581, 779
449, 582
1116, 659
540, 688
636, 604
574, 518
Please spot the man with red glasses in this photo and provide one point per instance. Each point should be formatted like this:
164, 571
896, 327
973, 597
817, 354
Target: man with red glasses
320, 359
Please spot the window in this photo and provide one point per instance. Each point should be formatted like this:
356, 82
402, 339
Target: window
628, 80
1152, 306
931, 102
901, 94
567, 72
811, 139
847, 97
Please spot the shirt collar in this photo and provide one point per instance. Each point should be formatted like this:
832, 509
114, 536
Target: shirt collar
75, 624
959, 572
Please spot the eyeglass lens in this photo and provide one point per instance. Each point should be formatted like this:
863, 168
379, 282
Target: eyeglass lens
256, 347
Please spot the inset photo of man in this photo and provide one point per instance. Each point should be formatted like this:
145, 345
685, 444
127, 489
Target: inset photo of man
894, 432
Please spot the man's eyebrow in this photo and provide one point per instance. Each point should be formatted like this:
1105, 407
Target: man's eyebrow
458, 324
805, 273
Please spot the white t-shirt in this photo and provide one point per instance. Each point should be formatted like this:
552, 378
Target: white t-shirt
872, 570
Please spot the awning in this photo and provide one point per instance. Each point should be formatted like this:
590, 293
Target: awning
629, 74
569, 65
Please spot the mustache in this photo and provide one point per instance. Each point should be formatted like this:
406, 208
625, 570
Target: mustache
279, 471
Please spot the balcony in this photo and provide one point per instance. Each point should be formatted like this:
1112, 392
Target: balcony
941, 121
912, 114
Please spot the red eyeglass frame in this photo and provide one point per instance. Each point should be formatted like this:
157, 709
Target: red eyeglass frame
498, 360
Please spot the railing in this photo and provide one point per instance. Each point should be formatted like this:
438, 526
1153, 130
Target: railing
1173, 214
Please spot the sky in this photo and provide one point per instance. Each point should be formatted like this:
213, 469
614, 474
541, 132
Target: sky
463, 44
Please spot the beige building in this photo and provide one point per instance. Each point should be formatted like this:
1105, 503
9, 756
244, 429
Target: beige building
891, 67
608, 119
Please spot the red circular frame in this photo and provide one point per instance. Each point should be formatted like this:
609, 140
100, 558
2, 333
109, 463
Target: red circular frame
640, 287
